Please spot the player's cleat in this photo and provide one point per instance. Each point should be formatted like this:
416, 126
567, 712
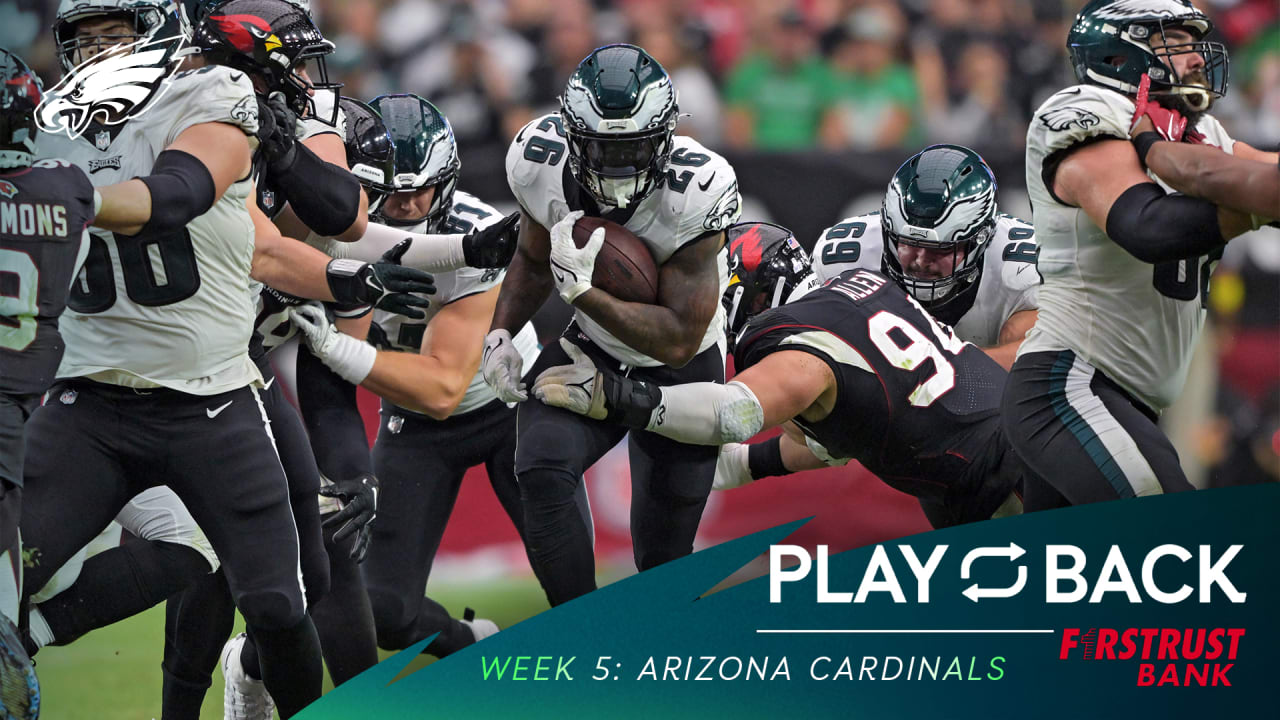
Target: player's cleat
19, 689
243, 698
481, 628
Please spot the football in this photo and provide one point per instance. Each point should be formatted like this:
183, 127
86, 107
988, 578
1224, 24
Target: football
624, 268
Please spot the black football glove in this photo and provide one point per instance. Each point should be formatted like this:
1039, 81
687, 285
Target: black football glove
494, 246
386, 284
359, 501
277, 125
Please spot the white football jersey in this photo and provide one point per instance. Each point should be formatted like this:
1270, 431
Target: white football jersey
174, 312
1009, 282
405, 334
698, 195
1136, 322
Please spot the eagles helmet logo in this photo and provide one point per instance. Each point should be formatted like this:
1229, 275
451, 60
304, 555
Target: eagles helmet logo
111, 88
1125, 9
1059, 119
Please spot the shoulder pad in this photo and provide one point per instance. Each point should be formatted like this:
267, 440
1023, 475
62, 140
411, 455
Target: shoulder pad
1077, 114
213, 93
538, 146
712, 202
476, 211
1013, 255
1215, 134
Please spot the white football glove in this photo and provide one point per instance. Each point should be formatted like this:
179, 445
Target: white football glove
350, 358
576, 388
732, 469
572, 267
502, 367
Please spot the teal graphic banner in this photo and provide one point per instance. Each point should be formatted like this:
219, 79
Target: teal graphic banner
1160, 607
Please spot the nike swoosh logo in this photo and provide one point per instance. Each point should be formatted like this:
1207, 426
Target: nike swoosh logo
558, 274
215, 412
703, 186
235, 77
264, 387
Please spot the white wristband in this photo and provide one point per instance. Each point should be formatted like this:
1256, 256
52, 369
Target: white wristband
350, 358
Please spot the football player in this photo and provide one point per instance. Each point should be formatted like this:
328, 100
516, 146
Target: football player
164, 354
857, 365
302, 185
1126, 263
439, 417
943, 240
612, 152
45, 208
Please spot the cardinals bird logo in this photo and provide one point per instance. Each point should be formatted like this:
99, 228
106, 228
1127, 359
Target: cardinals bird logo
1060, 119
112, 87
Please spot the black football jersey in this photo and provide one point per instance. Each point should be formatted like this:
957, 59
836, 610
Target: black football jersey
916, 406
44, 211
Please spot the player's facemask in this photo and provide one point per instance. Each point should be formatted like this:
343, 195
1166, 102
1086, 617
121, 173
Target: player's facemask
619, 170
1197, 88
966, 259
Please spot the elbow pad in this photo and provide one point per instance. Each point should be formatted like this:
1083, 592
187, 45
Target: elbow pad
1155, 227
707, 413
325, 197
181, 189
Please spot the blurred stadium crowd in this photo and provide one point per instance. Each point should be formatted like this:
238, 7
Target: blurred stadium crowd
839, 90
838, 74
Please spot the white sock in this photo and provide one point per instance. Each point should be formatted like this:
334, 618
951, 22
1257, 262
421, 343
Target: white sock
41, 633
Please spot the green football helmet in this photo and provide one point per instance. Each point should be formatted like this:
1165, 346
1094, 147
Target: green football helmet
426, 153
619, 112
942, 199
1110, 45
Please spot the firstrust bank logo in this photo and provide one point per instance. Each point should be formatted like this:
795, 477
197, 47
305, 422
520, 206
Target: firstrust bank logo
1165, 656
1175, 657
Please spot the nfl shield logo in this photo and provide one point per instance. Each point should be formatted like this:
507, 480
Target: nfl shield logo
8, 189
68, 397
394, 423
268, 199
102, 140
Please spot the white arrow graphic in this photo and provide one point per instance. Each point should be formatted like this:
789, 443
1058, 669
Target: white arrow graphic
1013, 552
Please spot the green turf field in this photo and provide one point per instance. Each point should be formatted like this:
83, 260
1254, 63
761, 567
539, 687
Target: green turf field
114, 673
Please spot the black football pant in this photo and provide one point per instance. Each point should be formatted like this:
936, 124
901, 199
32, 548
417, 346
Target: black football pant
420, 463
14, 410
199, 620
94, 446
1085, 439
669, 481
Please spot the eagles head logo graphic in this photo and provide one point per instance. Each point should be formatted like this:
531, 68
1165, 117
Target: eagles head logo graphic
111, 88
1059, 119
